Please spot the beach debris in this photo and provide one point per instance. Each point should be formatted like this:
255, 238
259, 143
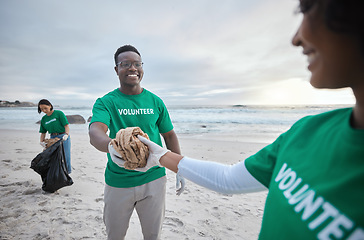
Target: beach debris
50, 142
133, 151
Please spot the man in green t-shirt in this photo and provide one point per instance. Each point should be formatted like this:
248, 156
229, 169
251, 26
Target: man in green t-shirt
130, 106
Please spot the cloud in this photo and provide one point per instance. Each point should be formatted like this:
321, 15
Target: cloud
195, 52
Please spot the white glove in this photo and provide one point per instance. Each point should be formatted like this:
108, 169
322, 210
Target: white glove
155, 152
118, 160
65, 137
43, 144
180, 184
115, 156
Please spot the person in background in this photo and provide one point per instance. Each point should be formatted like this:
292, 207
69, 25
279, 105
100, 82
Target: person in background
56, 124
130, 105
314, 172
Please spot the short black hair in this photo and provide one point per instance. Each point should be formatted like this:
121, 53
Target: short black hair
125, 48
44, 102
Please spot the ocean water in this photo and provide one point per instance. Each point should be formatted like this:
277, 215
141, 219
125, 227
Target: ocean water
265, 121
26, 118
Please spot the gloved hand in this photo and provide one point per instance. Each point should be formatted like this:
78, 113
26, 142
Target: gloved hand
180, 184
65, 137
115, 156
155, 151
118, 160
43, 144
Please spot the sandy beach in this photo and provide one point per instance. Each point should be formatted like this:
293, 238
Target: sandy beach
75, 212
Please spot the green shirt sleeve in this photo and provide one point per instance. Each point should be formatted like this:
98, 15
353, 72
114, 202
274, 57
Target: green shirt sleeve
100, 113
42, 128
63, 118
164, 121
261, 164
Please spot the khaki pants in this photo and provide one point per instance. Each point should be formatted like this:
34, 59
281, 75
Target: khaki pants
149, 202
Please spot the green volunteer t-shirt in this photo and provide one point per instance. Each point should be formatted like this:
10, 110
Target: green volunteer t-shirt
119, 111
315, 176
54, 123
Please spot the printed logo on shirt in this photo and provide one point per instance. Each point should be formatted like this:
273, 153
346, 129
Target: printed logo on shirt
306, 201
138, 111
52, 120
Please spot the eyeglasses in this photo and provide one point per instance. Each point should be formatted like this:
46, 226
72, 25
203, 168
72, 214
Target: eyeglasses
128, 64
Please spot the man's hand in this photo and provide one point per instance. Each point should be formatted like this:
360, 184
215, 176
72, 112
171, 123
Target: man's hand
115, 156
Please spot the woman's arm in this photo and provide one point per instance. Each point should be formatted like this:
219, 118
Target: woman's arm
171, 160
228, 179
42, 137
67, 129
218, 177
215, 176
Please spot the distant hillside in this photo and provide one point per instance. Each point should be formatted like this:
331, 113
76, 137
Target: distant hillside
16, 104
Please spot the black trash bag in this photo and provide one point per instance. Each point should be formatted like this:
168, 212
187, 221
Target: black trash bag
51, 166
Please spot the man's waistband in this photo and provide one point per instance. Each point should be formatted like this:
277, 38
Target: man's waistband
55, 134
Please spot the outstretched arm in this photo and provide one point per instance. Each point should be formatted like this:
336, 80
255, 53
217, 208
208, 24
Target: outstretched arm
215, 176
228, 179
171, 160
98, 137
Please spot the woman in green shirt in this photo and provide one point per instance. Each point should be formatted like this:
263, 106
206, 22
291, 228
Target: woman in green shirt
56, 124
314, 172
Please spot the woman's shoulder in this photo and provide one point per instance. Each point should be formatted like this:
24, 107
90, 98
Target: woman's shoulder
336, 113
332, 117
58, 112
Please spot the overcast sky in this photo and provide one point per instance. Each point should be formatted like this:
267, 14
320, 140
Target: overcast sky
194, 51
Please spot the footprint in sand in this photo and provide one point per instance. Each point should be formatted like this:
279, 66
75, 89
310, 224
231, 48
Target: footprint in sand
32, 191
174, 222
7, 162
42, 203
